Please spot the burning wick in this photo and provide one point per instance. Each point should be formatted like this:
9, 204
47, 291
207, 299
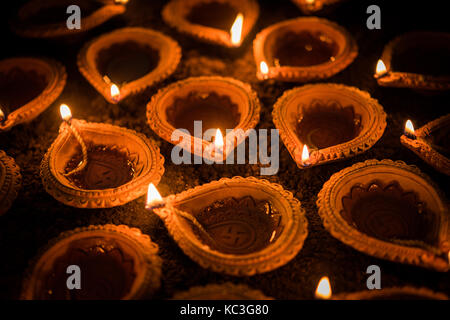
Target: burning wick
218, 142
2, 115
121, 1
305, 156
323, 290
236, 30
66, 115
380, 69
115, 93
264, 69
409, 130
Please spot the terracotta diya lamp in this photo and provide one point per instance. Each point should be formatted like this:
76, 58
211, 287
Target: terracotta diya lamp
226, 291
322, 123
116, 262
48, 19
28, 86
313, 6
395, 293
430, 142
239, 226
223, 22
133, 59
10, 181
417, 60
220, 103
302, 50
99, 165
388, 210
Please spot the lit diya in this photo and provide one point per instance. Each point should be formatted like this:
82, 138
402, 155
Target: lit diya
10, 181
430, 142
127, 61
115, 262
313, 6
388, 210
327, 122
48, 19
239, 226
417, 60
28, 86
303, 49
96, 165
395, 293
226, 291
220, 103
222, 22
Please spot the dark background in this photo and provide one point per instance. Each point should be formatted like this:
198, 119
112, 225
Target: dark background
36, 217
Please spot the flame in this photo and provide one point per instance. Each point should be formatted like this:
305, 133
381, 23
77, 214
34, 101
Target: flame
305, 154
236, 30
323, 290
65, 112
310, 2
264, 68
409, 128
218, 140
2, 115
121, 1
381, 68
153, 196
115, 92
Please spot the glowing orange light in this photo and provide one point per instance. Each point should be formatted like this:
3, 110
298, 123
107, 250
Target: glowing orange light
409, 128
122, 1
153, 197
264, 68
323, 290
236, 30
310, 2
2, 115
218, 140
65, 112
305, 154
115, 92
381, 68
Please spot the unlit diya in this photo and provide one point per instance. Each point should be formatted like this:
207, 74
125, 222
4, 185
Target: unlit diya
220, 103
417, 60
10, 181
131, 58
213, 21
120, 165
313, 6
432, 143
334, 121
48, 19
388, 210
28, 86
395, 293
226, 291
115, 262
302, 50
243, 226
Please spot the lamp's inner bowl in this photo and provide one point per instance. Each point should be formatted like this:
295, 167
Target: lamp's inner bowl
127, 61
107, 271
106, 168
304, 48
439, 139
323, 126
213, 14
388, 213
57, 13
214, 110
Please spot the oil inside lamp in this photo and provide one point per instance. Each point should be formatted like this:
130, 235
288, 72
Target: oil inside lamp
2, 115
305, 156
409, 130
154, 199
323, 290
380, 69
264, 69
115, 92
236, 30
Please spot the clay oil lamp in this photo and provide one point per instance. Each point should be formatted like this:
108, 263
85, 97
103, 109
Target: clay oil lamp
28, 86
222, 22
388, 210
10, 181
313, 6
115, 262
226, 291
220, 103
430, 142
395, 293
302, 50
96, 165
322, 123
48, 19
417, 60
238, 226
127, 61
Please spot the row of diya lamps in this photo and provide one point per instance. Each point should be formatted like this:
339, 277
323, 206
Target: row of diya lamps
238, 226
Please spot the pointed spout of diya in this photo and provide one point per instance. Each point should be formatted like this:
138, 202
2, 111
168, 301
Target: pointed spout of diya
409, 130
236, 30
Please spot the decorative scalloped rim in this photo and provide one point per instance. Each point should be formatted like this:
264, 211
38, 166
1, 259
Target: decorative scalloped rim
424, 150
143, 244
226, 288
172, 16
374, 294
57, 75
86, 61
341, 151
304, 74
164, 129
102, 198
342, 231
57, 30
11, 184
276, 255
316, 6
407, 79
